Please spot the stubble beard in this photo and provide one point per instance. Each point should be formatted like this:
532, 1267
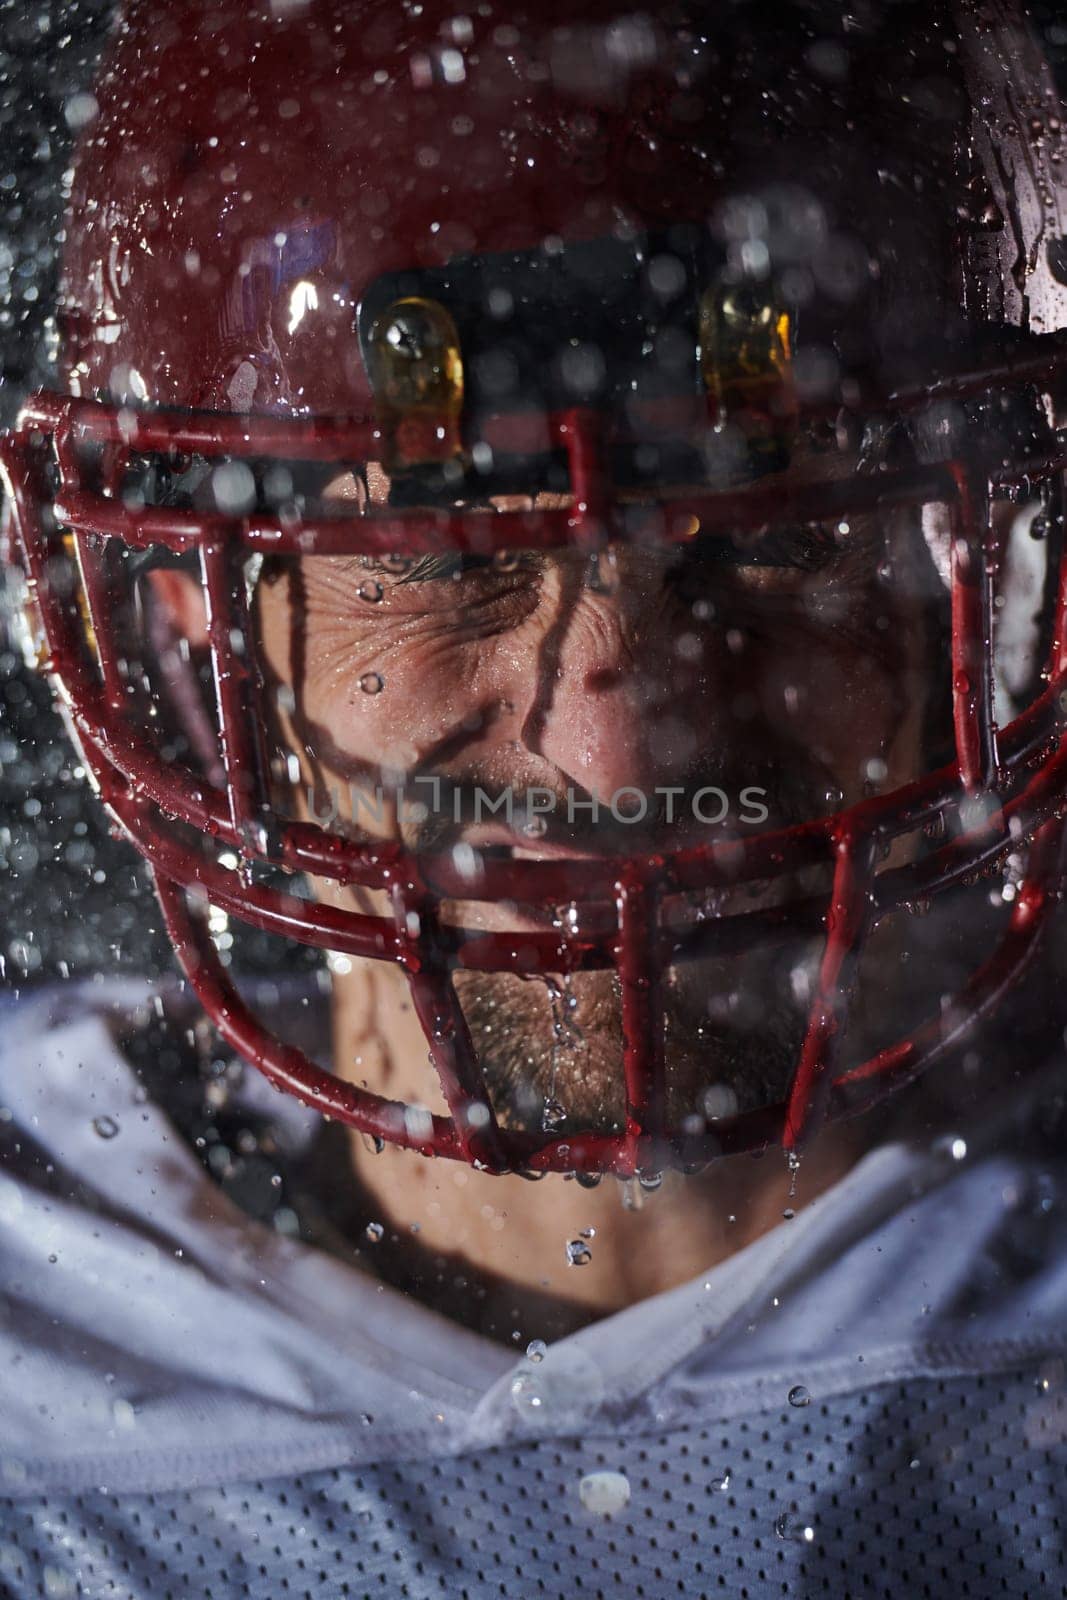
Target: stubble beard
552, 1050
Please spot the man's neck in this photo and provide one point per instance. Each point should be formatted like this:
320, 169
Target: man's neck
537, 1259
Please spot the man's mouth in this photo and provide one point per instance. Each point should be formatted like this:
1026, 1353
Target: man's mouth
501, 843
679, 912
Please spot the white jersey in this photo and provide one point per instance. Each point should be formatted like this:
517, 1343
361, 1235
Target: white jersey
192, 1404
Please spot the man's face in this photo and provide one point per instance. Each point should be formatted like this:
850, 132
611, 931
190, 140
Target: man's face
724, 689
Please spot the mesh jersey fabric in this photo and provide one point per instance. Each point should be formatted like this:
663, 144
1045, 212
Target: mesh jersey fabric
934, 1489
867, 1397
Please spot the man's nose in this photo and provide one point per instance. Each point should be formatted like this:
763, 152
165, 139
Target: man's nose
618, 707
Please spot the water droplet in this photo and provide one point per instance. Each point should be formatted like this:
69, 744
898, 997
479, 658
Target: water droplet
604, 1493
526, 1393
578, 1253
536, 1350
374, 1232
371, 591
799, 1396
506, 560
650, 1181
553, 1115
588, 1180
105, 1127
80, 109
397, 565
234, 488
720, 1484
372, 683
790, 1526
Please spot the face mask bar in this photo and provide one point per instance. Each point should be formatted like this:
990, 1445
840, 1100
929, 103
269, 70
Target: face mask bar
1006, 788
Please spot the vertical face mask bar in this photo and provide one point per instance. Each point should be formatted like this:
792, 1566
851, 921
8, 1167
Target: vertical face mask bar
847, 922
972, 622
581, 433
640, 977
96, 560
433, 995
438, 1009
97, 563
1057, 662
41, 545
240, 723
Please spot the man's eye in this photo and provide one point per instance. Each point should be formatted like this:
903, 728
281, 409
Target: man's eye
455, 565
802, 547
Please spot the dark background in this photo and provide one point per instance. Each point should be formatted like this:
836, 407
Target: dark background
72, 900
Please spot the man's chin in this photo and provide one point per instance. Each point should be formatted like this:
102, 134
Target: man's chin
552, 1049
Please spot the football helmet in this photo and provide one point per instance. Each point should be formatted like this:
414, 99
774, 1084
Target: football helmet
617, 264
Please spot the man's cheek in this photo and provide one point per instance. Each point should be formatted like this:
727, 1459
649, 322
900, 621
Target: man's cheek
392, 701
859, 724
827, 697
